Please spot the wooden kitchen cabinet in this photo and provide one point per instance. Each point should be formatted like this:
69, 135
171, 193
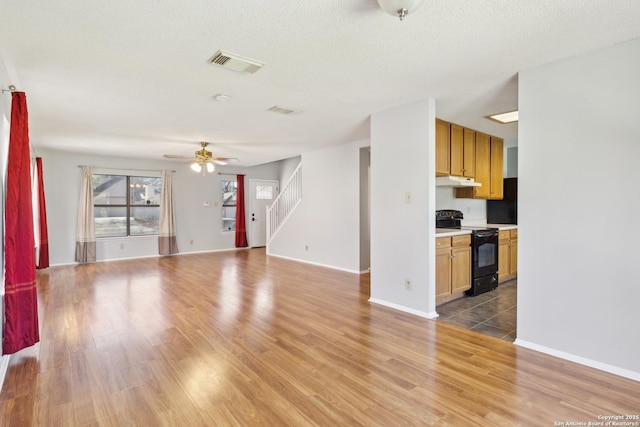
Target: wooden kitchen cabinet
469, 154
513, 250
489, 164
482, 170
460, 268
507, 255
453, 267
504, 255
455, 150
496, 174
443, 273
463, 151
443, 148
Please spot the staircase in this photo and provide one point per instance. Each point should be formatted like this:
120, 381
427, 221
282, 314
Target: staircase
285, 203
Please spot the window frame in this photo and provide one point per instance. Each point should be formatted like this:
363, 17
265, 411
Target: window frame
223, 206
128, 206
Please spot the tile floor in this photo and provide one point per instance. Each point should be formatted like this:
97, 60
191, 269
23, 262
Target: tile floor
492, 313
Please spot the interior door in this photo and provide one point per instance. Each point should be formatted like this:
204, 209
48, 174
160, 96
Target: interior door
263, 192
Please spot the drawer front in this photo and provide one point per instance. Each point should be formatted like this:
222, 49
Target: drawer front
464, 240
443, 242
514, 233
503, 235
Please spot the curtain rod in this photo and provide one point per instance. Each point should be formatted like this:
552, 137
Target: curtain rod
10, 88
232, 174
125, 169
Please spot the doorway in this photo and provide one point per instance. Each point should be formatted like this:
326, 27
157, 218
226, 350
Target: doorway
262, 194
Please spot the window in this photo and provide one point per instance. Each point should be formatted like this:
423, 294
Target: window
229, 196
126, 205
264, 192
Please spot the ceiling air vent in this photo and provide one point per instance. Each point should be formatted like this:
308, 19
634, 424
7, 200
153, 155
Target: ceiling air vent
236, 62
281, 110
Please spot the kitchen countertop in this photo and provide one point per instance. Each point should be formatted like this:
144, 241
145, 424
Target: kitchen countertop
448, 232
503, 226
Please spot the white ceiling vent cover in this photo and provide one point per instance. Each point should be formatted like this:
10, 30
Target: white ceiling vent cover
282, 110
236, 62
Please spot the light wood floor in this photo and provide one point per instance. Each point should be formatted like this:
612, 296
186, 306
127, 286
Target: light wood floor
241, 339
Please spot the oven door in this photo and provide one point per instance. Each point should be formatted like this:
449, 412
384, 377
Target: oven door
484, 257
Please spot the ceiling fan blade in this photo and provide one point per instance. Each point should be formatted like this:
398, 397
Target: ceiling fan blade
173, 156
223, 160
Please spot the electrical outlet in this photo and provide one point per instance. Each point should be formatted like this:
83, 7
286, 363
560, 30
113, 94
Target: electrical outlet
407, 197
121, 245
407, 284
306, 247
191, 242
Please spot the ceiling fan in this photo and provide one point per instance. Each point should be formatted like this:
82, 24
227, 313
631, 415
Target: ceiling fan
203, 160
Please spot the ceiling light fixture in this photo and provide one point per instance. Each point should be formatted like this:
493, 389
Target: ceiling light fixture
504, 118
222, 97
399, 8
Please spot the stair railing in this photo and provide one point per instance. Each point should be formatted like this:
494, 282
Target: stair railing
284, 204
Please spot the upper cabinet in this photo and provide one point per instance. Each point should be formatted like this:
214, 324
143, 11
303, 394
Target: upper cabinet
455, 150
469, 155
497, 169
443, 148
488, 170
483, 170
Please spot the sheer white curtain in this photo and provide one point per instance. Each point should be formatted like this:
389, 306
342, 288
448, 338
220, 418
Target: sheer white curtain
86, 228
167, 242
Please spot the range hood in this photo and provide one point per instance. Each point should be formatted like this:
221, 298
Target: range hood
456, 181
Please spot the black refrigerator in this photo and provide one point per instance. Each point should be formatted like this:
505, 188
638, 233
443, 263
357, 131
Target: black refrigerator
505, 211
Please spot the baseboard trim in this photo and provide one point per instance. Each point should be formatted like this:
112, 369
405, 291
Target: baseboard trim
580, 360
63, 264
4, 365
333, 267
426, 315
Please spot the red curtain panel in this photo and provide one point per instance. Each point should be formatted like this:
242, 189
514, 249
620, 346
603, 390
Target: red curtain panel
43, 252
20, 298
241, 228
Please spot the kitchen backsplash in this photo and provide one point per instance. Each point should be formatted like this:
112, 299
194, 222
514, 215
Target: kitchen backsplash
474, 210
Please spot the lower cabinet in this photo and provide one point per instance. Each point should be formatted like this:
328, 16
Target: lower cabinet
507, 255
453, 267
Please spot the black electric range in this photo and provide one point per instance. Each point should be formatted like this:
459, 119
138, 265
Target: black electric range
484, 251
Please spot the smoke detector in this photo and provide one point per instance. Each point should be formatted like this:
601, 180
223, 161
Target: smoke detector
236, 62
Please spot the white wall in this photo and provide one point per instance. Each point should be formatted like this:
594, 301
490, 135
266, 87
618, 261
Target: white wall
365, 209
6, 79
403, 234
287, 167
194, 222
473, 210
579, 147
511, 162
324, 228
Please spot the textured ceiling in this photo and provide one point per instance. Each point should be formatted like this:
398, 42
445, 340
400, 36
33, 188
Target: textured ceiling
133, 78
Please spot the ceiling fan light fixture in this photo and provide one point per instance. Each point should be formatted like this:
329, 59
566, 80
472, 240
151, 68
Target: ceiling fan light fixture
203, 161
400, 8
